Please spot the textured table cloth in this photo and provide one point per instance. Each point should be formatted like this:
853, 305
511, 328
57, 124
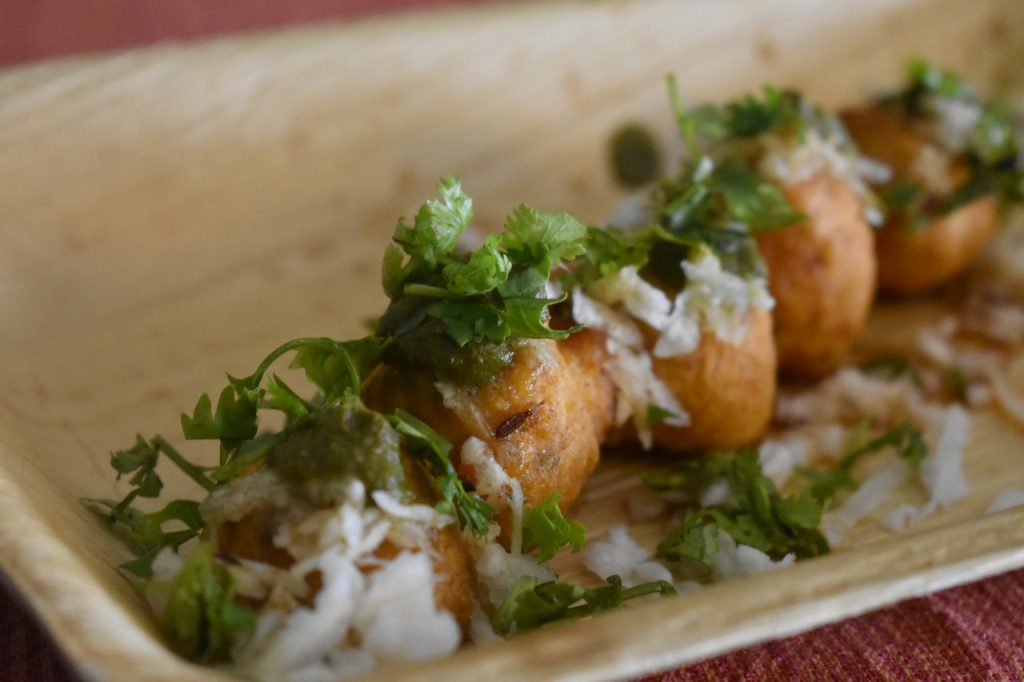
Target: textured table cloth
967, 633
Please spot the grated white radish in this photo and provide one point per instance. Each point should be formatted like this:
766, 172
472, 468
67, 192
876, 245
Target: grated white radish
871, 494
733, 560
619, 554
1006, 500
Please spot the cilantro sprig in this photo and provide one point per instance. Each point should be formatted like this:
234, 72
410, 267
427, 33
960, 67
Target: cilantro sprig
728, 192
755, 513
904, 438
470, 510
716, 199
531, 604
784, 112
488, 296
337, 370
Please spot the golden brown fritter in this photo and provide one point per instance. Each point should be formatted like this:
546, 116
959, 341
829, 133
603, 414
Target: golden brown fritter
542, 417
913, 260
728, 390
822, 275
252, 536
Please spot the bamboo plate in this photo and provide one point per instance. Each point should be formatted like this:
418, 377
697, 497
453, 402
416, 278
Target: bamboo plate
174, 212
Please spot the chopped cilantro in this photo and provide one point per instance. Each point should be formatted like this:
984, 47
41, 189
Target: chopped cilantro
532, 604
904, 438
545, 528
690, 547
200, 615
336, 368
992, 149
435, 229
778, 110
692, 475
141, 461
608, 250
755, 513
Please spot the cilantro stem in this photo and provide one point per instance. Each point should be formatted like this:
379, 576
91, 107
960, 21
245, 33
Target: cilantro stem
683, 120
658, 586
256, 377
428, 291
191, 470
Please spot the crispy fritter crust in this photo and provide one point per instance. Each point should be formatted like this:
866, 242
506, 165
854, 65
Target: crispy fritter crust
822, 275
912, 261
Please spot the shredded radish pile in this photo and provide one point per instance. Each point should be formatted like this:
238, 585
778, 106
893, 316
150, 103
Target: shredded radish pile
358, 618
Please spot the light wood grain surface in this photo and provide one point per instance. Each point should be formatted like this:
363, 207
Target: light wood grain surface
172, 213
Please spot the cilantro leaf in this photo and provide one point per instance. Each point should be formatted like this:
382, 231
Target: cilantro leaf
234, 420
337, 368
692, 475
527, 282
545, 528
750, 116
141, 460
486, 268
531, 605
526, 317
752, 200
608, 250
543, 239
755, 515
436, 228
891, 368
904, 438
924, 77
281, 397
466, 321
691, 545
827, 483
201, 616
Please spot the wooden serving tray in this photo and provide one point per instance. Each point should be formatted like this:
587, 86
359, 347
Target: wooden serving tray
171, 213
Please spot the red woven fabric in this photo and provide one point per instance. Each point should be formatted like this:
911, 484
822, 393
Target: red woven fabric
26, 652
966, 633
